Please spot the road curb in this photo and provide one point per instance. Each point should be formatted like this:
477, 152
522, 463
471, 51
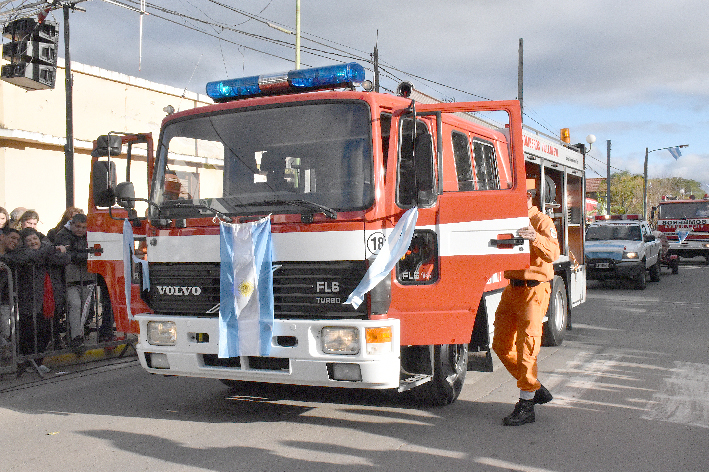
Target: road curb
90, 355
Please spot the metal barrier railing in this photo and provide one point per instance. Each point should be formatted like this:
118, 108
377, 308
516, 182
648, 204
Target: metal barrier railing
70, 318
8, 313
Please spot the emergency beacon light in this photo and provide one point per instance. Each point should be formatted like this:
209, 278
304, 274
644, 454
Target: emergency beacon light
294, 81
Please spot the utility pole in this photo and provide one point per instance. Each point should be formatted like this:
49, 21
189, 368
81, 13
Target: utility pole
69, 146
375, 57
520, 78
297, 34
608, 179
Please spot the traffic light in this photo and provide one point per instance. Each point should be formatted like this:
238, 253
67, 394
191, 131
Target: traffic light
32, 52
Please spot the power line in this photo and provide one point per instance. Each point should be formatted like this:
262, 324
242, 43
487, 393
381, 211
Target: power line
339, 52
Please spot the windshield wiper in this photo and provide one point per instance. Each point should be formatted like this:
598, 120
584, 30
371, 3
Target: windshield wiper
198, 206
328, 212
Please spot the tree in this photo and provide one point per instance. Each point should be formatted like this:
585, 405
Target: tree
627, 192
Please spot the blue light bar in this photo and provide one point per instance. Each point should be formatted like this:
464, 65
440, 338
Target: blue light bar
326, 76
295, 81
234, 88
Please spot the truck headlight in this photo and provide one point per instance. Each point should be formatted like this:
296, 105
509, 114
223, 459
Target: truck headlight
630, 255
162, 333
340, 340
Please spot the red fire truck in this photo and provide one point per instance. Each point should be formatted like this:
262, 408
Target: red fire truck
686, 225
334, 167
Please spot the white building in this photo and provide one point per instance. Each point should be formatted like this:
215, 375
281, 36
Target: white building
33, 133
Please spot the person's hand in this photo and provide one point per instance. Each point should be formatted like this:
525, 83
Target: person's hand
61, 249
527, 233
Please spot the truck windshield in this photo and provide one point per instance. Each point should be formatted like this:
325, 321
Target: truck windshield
291, 158
679, 211
610, 232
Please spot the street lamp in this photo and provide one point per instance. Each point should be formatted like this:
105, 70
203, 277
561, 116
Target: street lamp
645, 174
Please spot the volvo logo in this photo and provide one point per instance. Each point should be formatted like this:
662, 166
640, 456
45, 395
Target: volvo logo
177, 290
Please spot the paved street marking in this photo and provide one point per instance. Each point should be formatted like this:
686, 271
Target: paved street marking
684, 398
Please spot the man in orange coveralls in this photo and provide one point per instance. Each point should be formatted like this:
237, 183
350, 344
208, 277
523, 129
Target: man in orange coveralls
518, 319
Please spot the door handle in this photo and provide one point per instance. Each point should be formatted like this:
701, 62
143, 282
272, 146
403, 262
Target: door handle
506, 241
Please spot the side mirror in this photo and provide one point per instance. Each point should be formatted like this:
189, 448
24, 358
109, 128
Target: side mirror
125, 194
423, 163
107, 143
103, 179
652, 213
649, 238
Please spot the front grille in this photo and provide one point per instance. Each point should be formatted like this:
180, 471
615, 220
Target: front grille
301, 290
184, 288
317, 289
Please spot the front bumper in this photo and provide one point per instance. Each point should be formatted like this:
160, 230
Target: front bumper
689, 249
603, 269
296, 356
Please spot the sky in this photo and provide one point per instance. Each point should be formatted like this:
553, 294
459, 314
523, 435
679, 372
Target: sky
635, 73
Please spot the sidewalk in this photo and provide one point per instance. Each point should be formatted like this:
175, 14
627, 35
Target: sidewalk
66, 362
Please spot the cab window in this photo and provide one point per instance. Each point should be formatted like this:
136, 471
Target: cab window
463, 163
406, 188
485, 165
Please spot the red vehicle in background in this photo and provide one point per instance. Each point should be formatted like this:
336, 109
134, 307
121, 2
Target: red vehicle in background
685, 223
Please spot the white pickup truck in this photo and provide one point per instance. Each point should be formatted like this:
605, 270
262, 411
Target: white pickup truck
622, 249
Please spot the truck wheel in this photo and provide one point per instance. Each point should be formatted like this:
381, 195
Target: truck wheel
557, 313
655, 272
450, 364
641, 278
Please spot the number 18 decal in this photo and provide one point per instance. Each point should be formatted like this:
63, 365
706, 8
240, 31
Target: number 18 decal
375, 241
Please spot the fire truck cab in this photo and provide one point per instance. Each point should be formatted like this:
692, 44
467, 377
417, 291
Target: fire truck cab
334, 168
685, 223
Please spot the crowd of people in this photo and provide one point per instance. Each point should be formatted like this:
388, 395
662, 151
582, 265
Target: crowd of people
53, 288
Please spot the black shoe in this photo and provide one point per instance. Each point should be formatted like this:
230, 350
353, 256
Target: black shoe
522, 414
542, 395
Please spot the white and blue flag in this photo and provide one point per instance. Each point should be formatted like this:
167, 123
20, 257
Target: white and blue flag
246, 289
393, 249
676, 153
682, 235
129, 258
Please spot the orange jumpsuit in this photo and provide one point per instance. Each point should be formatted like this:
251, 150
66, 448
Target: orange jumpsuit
518, 319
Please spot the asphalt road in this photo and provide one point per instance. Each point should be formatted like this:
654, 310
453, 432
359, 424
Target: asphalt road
630, 385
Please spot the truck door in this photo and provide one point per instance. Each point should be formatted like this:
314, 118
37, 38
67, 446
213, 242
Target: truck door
106, 217
477, 203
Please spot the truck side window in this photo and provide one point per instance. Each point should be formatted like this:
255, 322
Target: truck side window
385, 126
463, 164
485, 165
406, 190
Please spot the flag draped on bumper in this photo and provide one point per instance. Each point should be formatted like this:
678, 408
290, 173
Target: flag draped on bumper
393, 249
246, 289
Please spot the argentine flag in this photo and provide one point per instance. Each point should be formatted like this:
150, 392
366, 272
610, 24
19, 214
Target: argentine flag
246, 289
676, 153
394, 248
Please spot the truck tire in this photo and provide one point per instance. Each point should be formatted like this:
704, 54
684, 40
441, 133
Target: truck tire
450, 364
641, 278
554, 328
655, 272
